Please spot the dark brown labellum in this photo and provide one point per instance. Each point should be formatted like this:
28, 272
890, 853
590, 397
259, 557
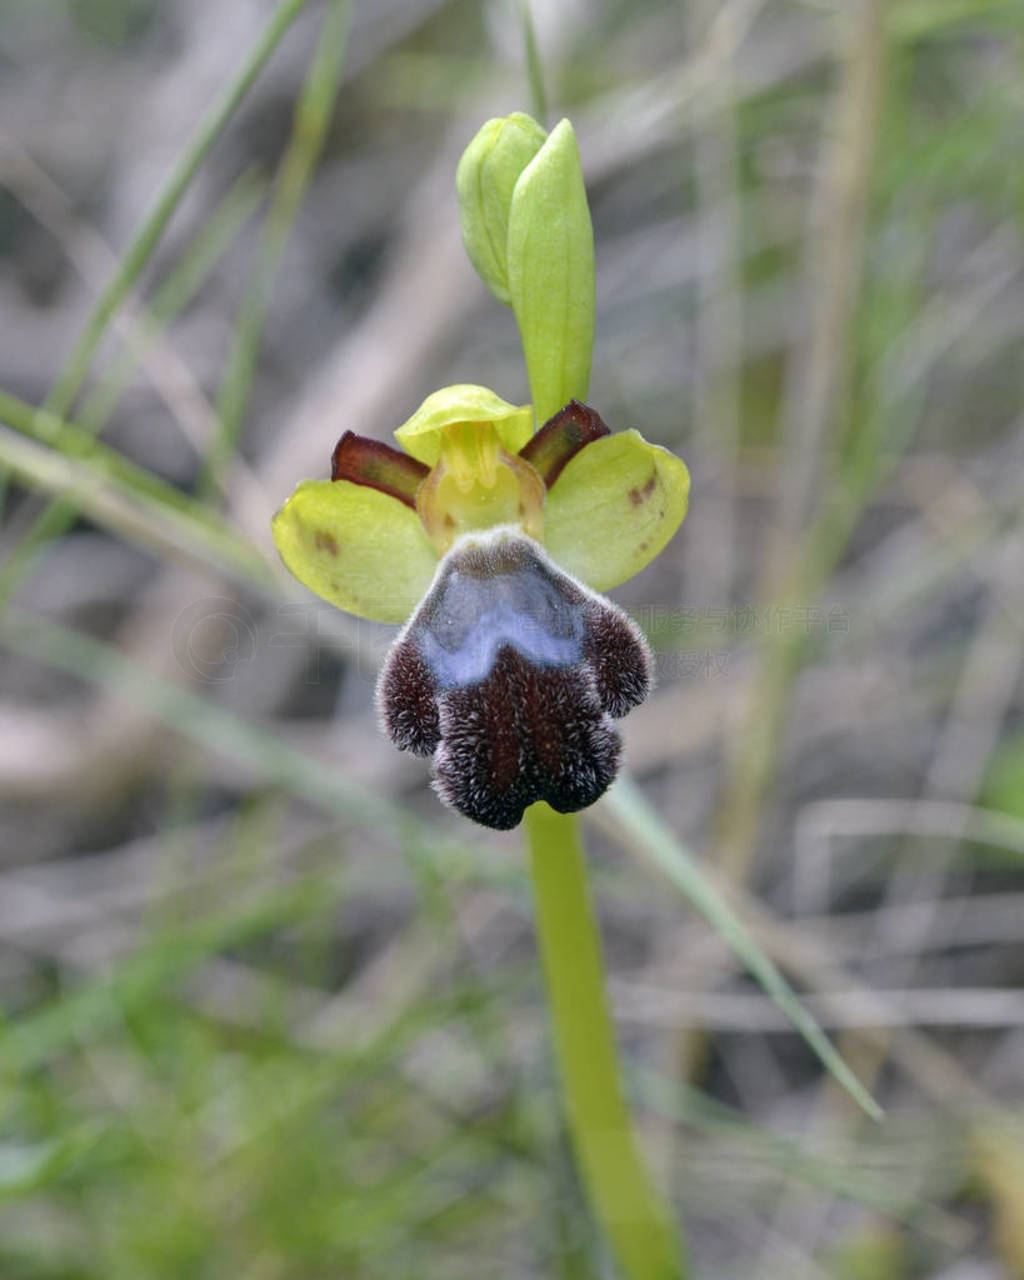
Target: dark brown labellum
510, 671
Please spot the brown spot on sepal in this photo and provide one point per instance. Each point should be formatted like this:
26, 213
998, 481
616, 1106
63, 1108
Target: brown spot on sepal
325, 541
641, 494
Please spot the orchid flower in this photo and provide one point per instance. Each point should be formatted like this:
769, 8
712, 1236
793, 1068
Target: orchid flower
491, 541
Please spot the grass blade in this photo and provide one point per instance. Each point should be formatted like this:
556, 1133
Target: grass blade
173, 295
139, 252
648, 834
58, 514
89, 477
312, 117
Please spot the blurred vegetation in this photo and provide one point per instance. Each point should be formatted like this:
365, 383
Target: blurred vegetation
269, 1012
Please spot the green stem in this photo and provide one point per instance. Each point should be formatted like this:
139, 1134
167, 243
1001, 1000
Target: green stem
534, 69
631, 1210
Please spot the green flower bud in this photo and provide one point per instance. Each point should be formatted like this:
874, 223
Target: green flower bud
485, 179
551, 273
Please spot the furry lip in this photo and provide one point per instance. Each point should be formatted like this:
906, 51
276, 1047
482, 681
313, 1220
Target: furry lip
509, 674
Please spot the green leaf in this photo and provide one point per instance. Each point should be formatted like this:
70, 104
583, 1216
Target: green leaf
1004, 785
361, 549
142, 248
464, 402
551, 273
646, 832
310, 127
104, 486
614, 507
484, 182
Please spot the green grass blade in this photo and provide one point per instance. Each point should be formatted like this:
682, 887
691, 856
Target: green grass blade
534, 67
95, 1007
88, 477
173, 295
260, 748
57, 515
139, 252
649, 835
919, 19
196, 717
201, 720
312, 117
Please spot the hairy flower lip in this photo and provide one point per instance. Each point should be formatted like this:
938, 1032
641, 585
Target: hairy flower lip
510, 668
488, 538
509, 673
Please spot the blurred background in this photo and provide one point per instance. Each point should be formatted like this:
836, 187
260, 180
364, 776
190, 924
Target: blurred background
269, 1011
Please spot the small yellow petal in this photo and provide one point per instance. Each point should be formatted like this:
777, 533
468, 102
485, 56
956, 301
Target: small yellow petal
361, 549
421, 435
614, 507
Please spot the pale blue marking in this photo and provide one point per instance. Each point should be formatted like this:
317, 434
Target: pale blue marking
471, 620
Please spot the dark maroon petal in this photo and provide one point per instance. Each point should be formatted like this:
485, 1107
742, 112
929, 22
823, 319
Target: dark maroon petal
561, 438
619, 658
525, 733
511, 669
374, 463
407, 697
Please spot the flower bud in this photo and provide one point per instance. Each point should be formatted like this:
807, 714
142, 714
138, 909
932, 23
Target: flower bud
485, 179
551, 273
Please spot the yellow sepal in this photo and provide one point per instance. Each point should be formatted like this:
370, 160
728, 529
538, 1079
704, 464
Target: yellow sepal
614, 507
361, 549
421, 435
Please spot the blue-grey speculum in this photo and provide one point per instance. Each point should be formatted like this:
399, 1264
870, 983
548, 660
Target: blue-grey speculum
509, 673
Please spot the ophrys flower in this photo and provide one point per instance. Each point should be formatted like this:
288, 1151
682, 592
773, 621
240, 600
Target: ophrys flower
491, 543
